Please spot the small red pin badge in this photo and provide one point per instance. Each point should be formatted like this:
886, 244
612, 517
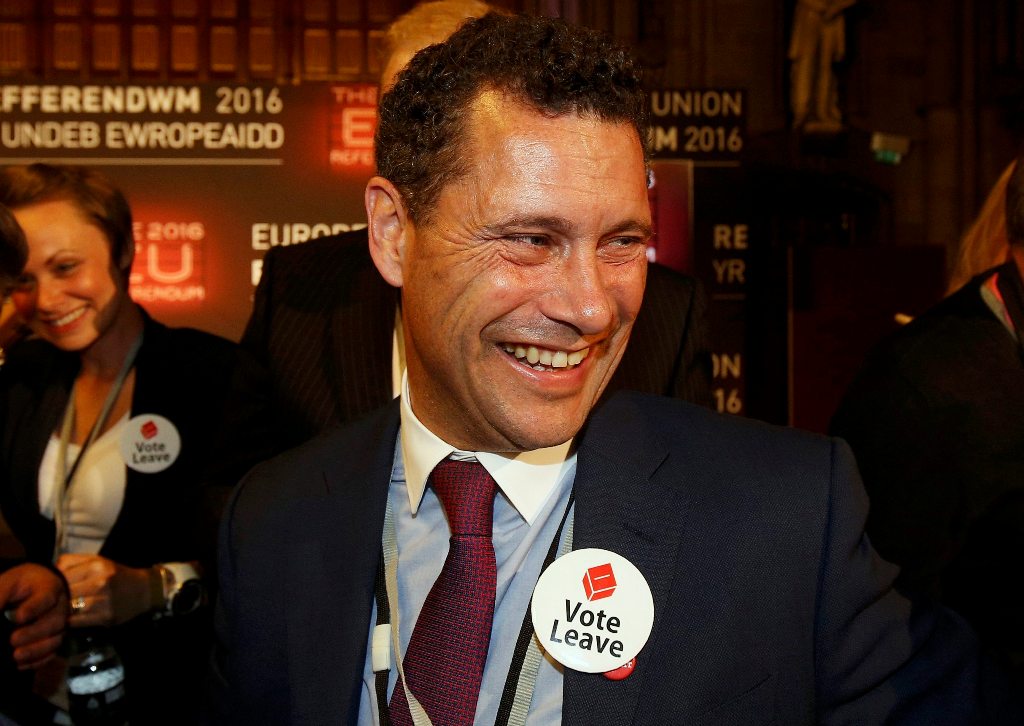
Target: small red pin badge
623, 671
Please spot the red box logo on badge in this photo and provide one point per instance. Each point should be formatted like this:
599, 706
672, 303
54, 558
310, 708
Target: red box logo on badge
599, 582
148, 430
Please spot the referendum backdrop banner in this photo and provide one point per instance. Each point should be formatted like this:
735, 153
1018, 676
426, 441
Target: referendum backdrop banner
702, 218
216, 175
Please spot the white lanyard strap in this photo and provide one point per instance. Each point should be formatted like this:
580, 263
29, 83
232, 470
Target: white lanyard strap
63, 475
531, 663
390, 542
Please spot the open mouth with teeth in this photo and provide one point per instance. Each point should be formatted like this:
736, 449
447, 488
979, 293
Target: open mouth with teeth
542, 359
66, 319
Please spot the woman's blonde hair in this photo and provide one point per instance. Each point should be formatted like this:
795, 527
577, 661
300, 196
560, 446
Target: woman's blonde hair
985, 244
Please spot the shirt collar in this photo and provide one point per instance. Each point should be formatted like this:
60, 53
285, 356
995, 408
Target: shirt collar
527, 479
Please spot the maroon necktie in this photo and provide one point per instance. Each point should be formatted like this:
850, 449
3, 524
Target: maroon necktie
444, 662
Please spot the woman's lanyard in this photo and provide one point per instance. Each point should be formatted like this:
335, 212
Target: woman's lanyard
526, 658
63, 475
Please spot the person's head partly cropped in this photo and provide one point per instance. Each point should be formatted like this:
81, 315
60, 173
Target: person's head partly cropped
511, 208
78, 227
425, 24
13, 250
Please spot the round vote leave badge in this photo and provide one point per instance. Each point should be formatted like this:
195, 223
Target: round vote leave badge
592, 610
150, 443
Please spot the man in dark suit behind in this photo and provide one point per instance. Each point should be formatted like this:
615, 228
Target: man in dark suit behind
936, 420
387, 567
323, 319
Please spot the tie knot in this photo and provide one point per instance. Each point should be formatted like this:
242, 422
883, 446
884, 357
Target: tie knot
466, 492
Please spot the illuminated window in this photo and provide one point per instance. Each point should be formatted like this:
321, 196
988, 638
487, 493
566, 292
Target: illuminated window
184, 48
316, 51
375, 40
383, 11
106, 47
67, 7
67, 46
183, 8
261, 9
14, 8
223, 9
223, 49
144, 8
349, 44
315, 10
261, 50
12, 47
106, 8
145, 48
348, 11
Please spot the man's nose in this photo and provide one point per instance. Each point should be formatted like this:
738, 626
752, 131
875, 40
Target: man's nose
581, 297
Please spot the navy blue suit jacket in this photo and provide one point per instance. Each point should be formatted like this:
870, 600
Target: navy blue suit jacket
770, 605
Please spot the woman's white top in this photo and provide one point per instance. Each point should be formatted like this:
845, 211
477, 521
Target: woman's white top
96, 495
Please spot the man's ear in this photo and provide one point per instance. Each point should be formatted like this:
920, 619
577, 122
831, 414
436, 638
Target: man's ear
388, 227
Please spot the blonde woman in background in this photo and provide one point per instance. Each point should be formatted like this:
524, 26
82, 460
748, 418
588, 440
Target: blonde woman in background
119, 438
985, 244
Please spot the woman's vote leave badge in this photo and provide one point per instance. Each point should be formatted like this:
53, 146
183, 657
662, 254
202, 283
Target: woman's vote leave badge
592, 610
150, 443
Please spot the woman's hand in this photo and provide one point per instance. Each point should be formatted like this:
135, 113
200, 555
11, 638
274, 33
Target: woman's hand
104, 592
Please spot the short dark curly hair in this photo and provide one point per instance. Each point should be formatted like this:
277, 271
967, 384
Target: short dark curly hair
542, 62
91, 192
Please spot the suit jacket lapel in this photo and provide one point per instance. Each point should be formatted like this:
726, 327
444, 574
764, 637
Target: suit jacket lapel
621, 506
331, 567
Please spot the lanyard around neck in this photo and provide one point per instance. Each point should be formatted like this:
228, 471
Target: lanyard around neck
64, 475
526, 658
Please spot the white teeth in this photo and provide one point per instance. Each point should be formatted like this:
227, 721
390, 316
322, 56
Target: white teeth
544, 359
70, 317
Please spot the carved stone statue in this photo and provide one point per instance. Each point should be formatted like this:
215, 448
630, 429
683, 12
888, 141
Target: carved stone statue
818, 41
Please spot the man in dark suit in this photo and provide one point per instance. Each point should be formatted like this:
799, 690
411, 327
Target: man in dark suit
384, 571
323, 319
936, 419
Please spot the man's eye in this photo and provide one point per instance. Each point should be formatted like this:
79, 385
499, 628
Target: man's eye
625, 243
534, 240
65, 268
23, 284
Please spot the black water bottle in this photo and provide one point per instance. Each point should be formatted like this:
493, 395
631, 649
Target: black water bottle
96, 695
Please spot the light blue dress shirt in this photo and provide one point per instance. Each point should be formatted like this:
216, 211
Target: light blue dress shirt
540, 483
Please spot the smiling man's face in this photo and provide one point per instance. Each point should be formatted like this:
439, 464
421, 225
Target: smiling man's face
521, 286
